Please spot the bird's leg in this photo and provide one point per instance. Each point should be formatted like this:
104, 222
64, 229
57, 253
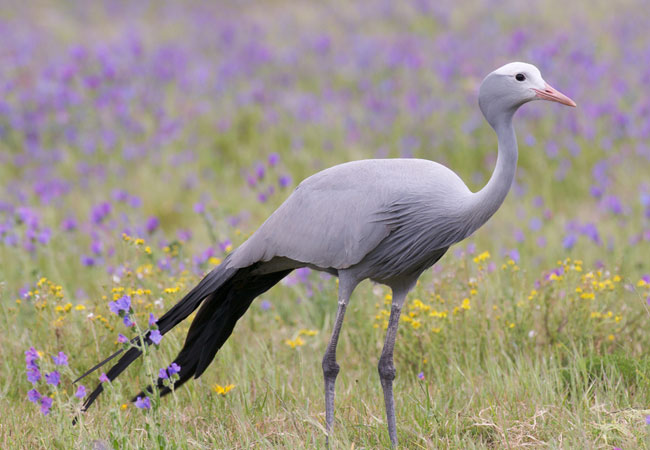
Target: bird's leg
386, 367
330, 366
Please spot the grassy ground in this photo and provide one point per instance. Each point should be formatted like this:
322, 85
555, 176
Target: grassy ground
533, 333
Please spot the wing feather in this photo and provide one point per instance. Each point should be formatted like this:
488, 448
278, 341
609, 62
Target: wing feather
338, 216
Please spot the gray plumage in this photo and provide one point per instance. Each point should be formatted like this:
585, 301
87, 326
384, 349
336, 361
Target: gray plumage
386, 220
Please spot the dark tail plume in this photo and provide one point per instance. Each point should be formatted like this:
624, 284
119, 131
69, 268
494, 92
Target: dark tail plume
226, 294
215, 322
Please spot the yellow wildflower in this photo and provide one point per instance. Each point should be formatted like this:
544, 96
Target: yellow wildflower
222, 390
482, 257
308, 332
297, 342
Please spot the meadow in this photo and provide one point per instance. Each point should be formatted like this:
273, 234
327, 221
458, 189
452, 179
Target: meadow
142, 142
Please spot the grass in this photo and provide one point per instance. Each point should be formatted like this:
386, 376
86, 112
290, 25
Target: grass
485, 385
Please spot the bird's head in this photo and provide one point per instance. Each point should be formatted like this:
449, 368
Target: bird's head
507, 88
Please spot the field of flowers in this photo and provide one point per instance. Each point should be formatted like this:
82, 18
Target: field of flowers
141, 142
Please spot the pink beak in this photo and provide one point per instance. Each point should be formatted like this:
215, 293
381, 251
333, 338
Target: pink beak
552, 94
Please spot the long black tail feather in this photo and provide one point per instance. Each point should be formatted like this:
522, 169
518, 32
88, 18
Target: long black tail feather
214, 323
228, 293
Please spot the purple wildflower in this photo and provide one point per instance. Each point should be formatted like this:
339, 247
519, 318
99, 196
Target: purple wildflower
44, 236
103, 378
569, 241
81, 391
514, 255
143, 403
162, 374
530, 140
53, 378
613, 204
122, 339
155, 336
127, 321
31, 355
274, 159
46, 404
265, 305
100, 212
152, 224
87, 261
69, 224
519, 235
33, 396
558, 272
591, 231
260, 171
199, 207
223, 246
96, 247
173, 368
184, 235
284, 181
535, 224
596, 191
120, 195
152, 320
33, 375
61, 359
647, 420
421, 376
121, 304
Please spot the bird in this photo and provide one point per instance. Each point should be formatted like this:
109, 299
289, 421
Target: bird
387, 220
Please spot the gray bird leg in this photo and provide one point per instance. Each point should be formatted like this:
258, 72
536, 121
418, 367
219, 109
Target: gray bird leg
386, 367
330, 366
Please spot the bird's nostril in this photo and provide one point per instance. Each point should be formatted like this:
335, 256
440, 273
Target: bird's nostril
548, 91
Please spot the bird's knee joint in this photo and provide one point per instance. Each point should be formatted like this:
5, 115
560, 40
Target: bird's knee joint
386, 371
330, 368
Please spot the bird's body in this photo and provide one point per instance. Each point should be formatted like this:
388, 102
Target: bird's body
360, 216
386, 220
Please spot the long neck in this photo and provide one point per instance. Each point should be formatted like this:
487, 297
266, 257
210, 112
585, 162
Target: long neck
486, 201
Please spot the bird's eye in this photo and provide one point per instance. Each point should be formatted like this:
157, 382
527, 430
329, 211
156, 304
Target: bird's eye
520, 77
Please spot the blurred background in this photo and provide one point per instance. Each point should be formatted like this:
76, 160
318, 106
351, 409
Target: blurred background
117, 117
149, 139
